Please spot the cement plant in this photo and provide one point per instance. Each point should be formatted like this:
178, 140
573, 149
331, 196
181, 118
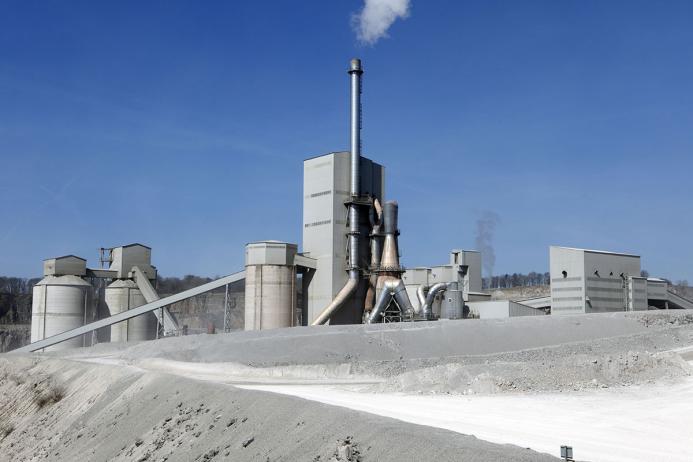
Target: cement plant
331, 350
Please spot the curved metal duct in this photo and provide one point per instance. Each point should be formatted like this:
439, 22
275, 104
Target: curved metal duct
426, 309
392, 288
339, 300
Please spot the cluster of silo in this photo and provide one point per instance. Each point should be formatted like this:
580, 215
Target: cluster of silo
64, 299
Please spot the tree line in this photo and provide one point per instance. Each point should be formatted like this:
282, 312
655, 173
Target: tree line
506, 281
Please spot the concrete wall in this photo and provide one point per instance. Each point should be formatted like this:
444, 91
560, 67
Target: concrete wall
472, 259
605, 287
500, 309
567, 270
637, 294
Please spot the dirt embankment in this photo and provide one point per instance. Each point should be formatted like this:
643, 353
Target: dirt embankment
62, 410
551, 353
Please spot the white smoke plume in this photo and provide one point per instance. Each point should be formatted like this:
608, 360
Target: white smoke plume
485, 231
376, 17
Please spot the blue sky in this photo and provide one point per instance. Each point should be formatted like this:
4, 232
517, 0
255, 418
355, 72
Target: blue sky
183, 125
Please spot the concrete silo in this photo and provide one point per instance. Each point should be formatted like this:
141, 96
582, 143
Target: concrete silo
270, 285
59, 304
122, 295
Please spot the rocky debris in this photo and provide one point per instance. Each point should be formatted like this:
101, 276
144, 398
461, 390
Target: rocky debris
346, 451
209, 455
664, 318
248, 441
547, 370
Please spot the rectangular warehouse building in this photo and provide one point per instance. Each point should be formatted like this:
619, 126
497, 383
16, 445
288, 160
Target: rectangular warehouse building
593, 281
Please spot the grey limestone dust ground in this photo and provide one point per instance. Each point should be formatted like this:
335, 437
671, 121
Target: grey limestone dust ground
54, 409
56, 406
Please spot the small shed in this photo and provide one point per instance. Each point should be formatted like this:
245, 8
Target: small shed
71, 265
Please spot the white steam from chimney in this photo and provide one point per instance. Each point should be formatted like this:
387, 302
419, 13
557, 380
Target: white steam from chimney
376, 17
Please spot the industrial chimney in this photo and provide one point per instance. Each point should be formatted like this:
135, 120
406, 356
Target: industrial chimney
354, 269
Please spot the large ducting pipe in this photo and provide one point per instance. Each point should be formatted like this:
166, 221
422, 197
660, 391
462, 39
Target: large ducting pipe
355, 71
339, 300
376, 220
390, 285
389, 262
421, 296
389, 268
427, 309
392, 289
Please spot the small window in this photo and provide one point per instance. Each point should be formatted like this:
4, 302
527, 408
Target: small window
565, 274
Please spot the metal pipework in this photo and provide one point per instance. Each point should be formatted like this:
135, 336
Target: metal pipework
390, 257
355, 71
339, 300
375, 215
392, 288
389, 282
427, 309
421, 296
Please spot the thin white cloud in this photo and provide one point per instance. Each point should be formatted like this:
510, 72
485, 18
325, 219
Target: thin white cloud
376, 17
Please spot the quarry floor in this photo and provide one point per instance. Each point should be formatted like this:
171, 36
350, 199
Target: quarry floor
614, 386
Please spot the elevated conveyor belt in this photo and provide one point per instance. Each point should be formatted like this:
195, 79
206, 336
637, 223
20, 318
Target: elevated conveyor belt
678, 301
125, 315
151, 296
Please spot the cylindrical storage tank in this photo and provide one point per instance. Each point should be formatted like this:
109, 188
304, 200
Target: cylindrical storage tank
269, 296
59, 304
452, 306
270, 285
123, 295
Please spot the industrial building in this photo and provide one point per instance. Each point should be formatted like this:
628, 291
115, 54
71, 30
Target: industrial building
347, 271
596, 281
65, 299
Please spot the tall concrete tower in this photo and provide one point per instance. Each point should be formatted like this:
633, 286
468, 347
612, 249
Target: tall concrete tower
325, 191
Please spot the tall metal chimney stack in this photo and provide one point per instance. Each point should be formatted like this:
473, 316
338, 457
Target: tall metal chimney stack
351, 288
355, 71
